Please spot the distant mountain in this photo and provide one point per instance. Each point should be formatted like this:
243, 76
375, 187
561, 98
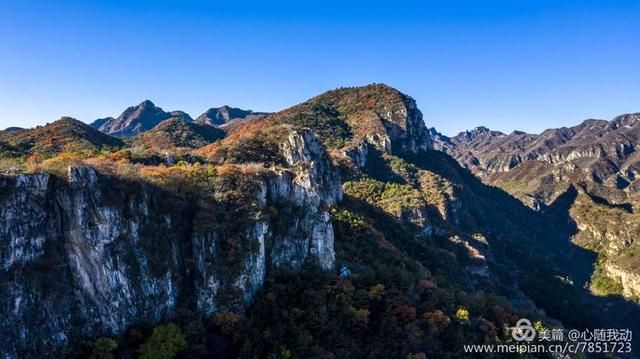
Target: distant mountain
66, 134
101, 121
176, 132
595, 150
181, 115
134, 120
13, 129
218, 116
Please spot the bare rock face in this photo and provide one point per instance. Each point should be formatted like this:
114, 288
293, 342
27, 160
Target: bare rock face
300, 231
406, 127
302, 146
91, 254
82, 259
21, 215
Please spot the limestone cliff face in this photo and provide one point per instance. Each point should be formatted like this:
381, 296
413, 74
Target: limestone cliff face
611, 230
90, 254
79, 258
406, 128
614, 244
630, 280
301, 231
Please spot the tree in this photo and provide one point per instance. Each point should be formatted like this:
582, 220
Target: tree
377, 291
103, 348
165, 343
462, 315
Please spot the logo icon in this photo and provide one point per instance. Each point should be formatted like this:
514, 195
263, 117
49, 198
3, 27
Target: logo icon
523, 331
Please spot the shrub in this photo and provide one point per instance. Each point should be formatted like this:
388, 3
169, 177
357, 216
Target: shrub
260, 146
326, 122
227, 321
362, 316
436, 320
390, 197
606, 286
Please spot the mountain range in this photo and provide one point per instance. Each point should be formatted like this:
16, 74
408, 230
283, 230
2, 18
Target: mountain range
590, 169
339, 227
143, 117
604, 152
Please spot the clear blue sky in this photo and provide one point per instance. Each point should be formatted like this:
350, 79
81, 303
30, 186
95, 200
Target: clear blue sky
529, 64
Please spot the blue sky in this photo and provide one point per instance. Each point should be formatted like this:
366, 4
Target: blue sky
528, 65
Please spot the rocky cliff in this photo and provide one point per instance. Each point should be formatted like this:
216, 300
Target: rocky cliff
91, 254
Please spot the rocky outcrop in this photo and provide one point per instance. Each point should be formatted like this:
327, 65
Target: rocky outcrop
101, 121
357, 153
629, 280
405, 127
402, 131
302, 146
90, 254
23, 219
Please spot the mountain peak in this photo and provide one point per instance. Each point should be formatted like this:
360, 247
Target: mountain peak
218, 116
376, 114
181, 115
481, 129
471, 135
133, 120
626, 120
13, 129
